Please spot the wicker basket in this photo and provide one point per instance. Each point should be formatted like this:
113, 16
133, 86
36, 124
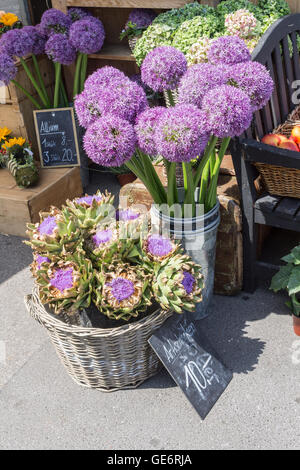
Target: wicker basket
278, 180
105, 359
132, 42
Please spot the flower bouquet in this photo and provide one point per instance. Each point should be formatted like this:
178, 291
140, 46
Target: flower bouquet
9, 21
139, 19
17, 156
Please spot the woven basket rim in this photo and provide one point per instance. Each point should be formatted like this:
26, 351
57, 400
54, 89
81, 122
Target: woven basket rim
91, 331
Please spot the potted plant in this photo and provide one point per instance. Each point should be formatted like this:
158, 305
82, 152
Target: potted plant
17, 156
138, 21
288, 278
216, 102
114, 281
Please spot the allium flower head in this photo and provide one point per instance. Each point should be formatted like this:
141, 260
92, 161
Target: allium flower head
228, 50
16, 42
163, 68
59, 49
87, 36
48, 226
110, 141
182, 133
145, 127
8, 69
141, 17
55, 21
241, 23
62, 279
198, 80
228, 111
39, 40
102, 77
255, 80
76, 14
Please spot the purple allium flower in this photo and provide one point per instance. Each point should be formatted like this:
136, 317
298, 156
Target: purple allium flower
85, 112
121, 288
8, 69
48, 226
182, 133
145, 127
88, 200
188, 282
40, 260
102, 236
198, 80
163, 67
255, 80
157, 245
87, 36
16, 42
39, 40
55, 21
228, 50
228, 110
141, 17
110, 141
76, 14
59, 49
102, 77
62, 279
126, 215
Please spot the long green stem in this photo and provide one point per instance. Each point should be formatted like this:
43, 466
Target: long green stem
151, 173
64, 94
190, 189
211, 199
57, 84
210, 147
34, 82
40, 79
84, 64
204, 183
77, 75
171, 184
26, 93
132, 167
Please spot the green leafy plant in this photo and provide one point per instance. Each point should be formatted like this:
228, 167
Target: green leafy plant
131, 31
191, 30
288, 278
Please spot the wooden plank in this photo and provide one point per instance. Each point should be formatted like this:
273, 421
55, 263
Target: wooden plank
293, 36
269, 218
114, 52
288, 70
282, 92
259, 152
288, 207
274, 100
267, 203
60, 5
294, 5
129, 3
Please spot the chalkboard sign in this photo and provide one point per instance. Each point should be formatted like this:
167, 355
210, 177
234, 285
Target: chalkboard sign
191, 361
57, 138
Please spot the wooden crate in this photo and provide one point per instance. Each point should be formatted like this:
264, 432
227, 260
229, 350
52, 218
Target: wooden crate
16, 110
19, 206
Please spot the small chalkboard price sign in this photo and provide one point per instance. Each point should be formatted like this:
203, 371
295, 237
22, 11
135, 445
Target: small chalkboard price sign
57, 138
191, 361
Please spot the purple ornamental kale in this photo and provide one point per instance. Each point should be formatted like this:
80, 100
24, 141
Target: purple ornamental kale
157, 245
48, 226
88, 200
127, 215
188, 282
121, 288
102, 77
110, 141
145, 128
55, 21
102, 236
59, 49
141, 17
8, 69
16, 42
40, 260
182, 133
163, 68
76, 14
39, 40
228, 111
228, 50
87, 36
255, 80
198, 80
62, 279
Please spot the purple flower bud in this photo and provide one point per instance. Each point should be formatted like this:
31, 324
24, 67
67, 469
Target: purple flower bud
188, 282
59, 49
121, 288
88, 200
102, 236
141, 17
126, 215
158, 245
48, 226
62, 279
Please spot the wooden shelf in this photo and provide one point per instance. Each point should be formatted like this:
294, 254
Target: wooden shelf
114, 52
128, 3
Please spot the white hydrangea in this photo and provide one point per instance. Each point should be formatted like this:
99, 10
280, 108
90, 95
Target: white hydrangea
241, 23
198, 51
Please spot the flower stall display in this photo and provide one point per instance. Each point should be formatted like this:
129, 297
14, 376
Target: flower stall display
288, 279
64, 38
16, 155
139, 19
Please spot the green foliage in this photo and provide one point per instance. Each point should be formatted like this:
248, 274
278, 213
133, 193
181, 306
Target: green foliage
288, 278
131, 31
193, 29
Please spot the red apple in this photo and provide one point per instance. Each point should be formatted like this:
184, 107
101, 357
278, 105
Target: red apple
296, 134
271, 139
282, 138
290, 145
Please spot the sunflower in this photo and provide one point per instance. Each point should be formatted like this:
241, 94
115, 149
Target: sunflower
9, 19
11, 142
4, 132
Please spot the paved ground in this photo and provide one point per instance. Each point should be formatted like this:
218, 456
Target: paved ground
42, 408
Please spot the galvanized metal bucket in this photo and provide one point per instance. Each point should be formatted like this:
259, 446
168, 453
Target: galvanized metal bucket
198, 236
